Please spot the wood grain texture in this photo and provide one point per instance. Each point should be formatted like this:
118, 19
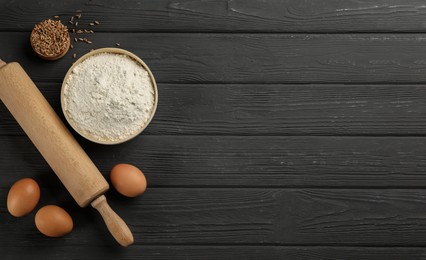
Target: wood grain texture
238, 216
214, 252
285, 130
225, 15
256, 109
248, 58
215, 161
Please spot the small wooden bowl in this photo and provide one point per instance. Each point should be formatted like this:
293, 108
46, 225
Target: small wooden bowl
55, 57
116, 51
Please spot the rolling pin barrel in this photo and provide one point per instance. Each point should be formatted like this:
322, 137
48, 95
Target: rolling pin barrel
57, 145
49, 134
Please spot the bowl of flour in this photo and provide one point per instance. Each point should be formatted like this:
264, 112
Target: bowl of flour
109, 96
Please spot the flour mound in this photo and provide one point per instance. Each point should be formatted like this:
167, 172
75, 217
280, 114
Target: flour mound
109, 97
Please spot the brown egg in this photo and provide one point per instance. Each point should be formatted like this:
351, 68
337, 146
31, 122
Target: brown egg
53, 221
128, 180
23, 197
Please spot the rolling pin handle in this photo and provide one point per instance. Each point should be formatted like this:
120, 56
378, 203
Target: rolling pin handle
116, 226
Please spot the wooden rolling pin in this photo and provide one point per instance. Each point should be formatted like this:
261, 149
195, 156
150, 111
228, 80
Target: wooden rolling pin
57, 145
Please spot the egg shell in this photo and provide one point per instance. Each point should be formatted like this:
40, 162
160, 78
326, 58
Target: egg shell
23, 197
53, 221
128, 180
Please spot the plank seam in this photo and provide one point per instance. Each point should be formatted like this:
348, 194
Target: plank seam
331, 135
237, 32
370, 83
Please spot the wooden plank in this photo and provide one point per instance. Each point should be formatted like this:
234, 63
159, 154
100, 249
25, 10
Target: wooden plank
222, 15
213, 252
198, 109
249, 58
194, 161
237, 216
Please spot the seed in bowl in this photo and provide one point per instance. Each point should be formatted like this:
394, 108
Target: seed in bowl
109, 97
50, 39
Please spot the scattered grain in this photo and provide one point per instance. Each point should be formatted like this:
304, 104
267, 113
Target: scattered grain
76, 23
117, 44
74, 55
86, 41
75, 39
91, 24
56, 16
96, 22
71, 46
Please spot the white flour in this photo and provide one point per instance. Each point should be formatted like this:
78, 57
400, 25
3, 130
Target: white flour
109, 97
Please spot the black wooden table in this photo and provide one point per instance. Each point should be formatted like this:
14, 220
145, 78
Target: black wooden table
286, 129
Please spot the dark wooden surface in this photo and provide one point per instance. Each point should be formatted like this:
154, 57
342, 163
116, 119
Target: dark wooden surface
286, 129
